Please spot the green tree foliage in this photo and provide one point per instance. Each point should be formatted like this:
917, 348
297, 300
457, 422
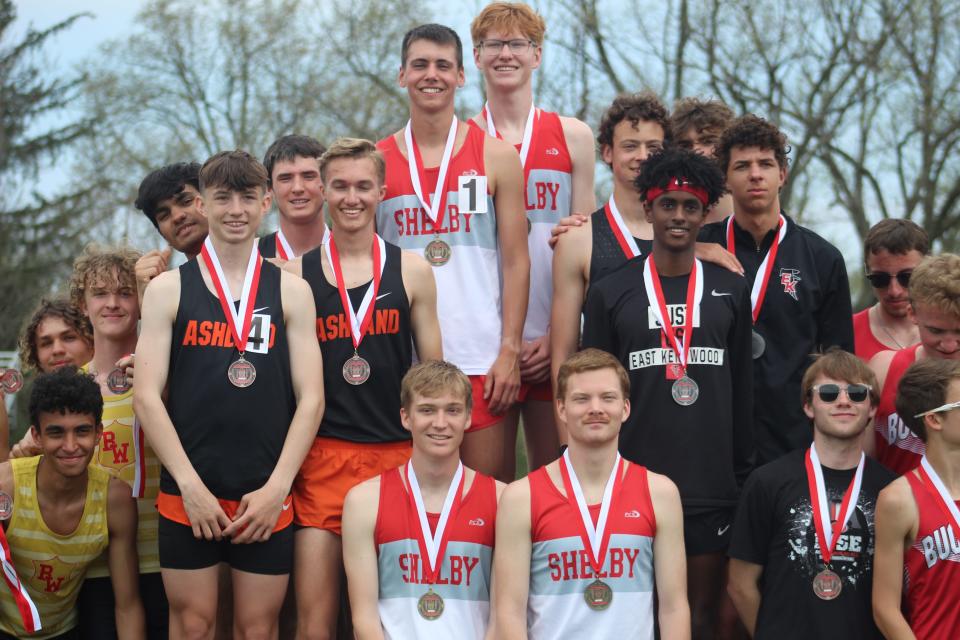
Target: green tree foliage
40, 232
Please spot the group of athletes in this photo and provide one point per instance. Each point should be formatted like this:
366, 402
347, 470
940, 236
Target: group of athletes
342, 400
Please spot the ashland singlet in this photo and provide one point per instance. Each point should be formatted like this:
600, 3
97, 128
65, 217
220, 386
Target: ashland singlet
605, 253
468, 286
560, 567
233, 437
50, 565
267, 245
898, 448
369, 412
932, 569
464, 577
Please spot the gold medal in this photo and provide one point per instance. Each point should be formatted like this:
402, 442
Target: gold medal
437, 252
685, 391
356, 370
430, 605
598, 595
827, 584
241, 373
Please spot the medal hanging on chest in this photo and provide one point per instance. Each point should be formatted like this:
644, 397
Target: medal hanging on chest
827, 585
684, 389
759, 291
117, 381
437, 252
433, 545
241, 373
356, 370
598, 595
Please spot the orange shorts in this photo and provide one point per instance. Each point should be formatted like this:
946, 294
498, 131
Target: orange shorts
541, 391
171, 507
331, 469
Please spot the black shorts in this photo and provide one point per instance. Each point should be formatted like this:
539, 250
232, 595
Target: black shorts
707, 531
180, 550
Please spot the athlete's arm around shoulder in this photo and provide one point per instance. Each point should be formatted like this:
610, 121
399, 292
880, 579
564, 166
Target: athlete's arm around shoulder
571, 273
421, 288
511, 562
360, 511
583, 157
897, 520
122, 559
669, 558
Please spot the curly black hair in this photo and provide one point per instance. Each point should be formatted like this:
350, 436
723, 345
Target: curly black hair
65, 390
673, 162
752, 131
163, 184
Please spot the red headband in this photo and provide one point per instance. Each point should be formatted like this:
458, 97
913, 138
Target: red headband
678, 184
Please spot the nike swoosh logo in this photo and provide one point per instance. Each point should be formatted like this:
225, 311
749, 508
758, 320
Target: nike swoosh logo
714, 292
285, 507
260, 309
384, 295
722, 530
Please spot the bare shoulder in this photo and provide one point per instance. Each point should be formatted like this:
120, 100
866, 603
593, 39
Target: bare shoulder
293, 287
501, 153
576, 131
294, 266
500, 486
163, 293
662, 488
415, 265
576, 240
119, 493
515, 495
898, 496
364, 497
165, 283
880, 364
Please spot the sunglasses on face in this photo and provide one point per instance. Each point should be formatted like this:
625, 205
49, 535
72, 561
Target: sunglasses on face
950, 406
830, 392
881, 280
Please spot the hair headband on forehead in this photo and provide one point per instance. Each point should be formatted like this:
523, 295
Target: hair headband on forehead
678, 184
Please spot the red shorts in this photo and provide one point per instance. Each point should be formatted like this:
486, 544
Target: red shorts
171, 507
333, 467
480, 417
539, 392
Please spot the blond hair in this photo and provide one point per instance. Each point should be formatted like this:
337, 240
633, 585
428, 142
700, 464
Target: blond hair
432, 378
354, 148
98, 262
935, 282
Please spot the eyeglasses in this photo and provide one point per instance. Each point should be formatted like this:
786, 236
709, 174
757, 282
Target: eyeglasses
944, 407
517, 46
829, 392
881, 280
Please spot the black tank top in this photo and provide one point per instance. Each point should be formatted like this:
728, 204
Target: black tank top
369, 412
606, 254
233, 437
267, 245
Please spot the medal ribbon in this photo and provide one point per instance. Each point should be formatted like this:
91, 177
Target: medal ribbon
21, 597
620, 231
529, 131
359, 319
418, 176
651, 281
284, 250
821, 504
596, 539
433, 546
759, 291
946, 503
237, 319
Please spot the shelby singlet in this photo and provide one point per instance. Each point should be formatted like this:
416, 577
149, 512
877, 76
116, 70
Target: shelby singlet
897, 447
369, 412
232, 436
463, 580
50, 565
560, 567
932, 569
606, 253
468, 285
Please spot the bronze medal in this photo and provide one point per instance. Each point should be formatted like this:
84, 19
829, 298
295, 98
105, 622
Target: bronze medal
11, 381
430, 605
117, 381
598, 595
356, 370
6, 506
757, 345
685, 391
827, 585
437, 252
241, 373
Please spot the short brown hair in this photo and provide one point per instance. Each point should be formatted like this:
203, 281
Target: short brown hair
924, 387
51, 308
431, 378
700, 115
99, 262
234, 170
505, 17
354, 148
839, 365
591, 360
752, 131
289, 148
897, 236
936, 282
634, 107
